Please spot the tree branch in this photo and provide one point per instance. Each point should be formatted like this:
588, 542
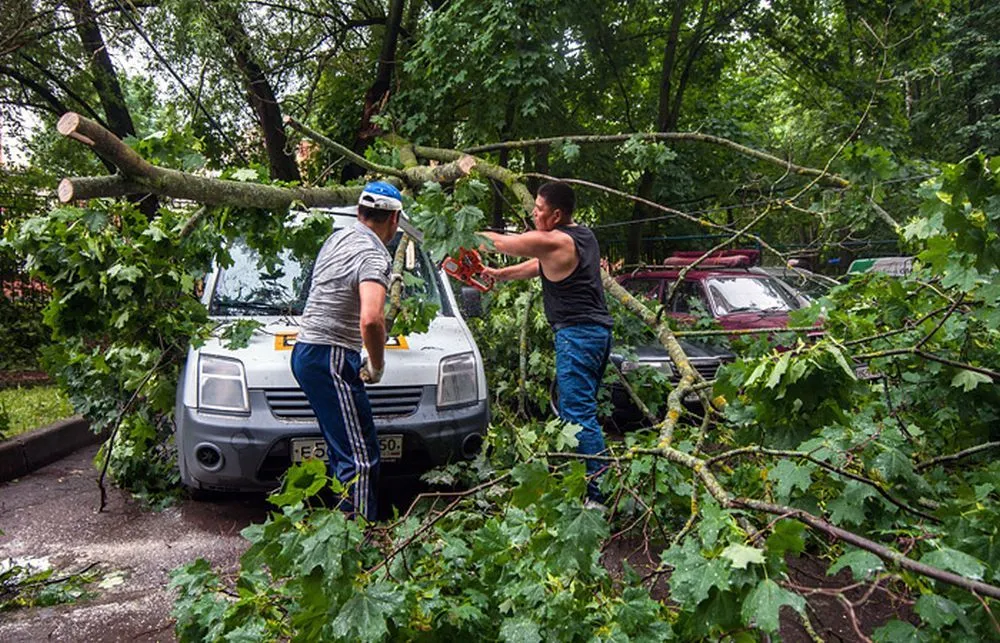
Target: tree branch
831, 179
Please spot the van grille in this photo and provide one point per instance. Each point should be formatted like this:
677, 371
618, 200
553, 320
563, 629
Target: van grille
291, 403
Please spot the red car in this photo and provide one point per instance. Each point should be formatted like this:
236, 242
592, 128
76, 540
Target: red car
728, 285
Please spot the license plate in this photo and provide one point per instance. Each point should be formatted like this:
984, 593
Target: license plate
390, 447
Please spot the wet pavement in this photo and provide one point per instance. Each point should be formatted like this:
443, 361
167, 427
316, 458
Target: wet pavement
52, 515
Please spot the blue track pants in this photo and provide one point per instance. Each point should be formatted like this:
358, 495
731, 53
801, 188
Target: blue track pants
329, 376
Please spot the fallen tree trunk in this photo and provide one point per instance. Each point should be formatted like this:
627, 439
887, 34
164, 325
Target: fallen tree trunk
139, 176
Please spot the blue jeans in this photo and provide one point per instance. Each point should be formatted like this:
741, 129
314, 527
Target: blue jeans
330, 378
581, 355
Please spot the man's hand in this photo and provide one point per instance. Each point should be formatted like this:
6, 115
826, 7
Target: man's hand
369, 374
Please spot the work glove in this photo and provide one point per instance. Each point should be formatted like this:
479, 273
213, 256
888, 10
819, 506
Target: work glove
370, 375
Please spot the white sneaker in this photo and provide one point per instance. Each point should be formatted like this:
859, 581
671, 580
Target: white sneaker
590, 503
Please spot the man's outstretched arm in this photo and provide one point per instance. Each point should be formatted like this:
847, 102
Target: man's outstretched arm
524, 270
532, 244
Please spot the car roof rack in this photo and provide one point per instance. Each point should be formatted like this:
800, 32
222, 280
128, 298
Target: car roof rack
718, 259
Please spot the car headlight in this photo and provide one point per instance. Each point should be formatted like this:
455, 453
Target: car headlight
458, 382
222, 385
663, 366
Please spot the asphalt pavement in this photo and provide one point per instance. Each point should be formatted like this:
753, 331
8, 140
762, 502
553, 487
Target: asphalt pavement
50, 517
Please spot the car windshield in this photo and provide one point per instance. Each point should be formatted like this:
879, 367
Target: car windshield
249, 288
745, 294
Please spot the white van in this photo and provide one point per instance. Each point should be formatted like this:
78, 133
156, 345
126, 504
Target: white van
241, 419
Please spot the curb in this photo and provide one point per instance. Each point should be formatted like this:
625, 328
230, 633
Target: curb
30, 451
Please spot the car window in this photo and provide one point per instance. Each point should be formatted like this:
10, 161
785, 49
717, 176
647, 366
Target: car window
644, 287
248, 287
686, 291
745, 294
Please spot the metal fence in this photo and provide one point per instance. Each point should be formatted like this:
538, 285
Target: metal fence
22, 331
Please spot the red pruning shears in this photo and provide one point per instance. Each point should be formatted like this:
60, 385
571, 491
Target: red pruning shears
468, 269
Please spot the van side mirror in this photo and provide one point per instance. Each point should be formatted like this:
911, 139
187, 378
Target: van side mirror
471, 302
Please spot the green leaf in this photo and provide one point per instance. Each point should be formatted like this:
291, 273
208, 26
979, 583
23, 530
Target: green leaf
938, 611
968, 380
849, 507
567, 436
363, 616
714, 519
779, 370
533, 480
897, 632
302, 481
579, 537
757, 372
955, 561
841, 361
763, 605
741, 555
694, 575
862, 563
520, 629
788, 537
789, 476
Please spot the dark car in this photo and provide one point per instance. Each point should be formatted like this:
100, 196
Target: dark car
705, 358
728, 286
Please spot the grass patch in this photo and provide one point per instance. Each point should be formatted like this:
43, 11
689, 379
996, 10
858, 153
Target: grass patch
24, 409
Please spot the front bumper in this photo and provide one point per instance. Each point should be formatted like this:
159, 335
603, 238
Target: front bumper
256, 450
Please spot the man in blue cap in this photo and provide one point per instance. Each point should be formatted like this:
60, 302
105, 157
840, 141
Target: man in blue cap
345, 310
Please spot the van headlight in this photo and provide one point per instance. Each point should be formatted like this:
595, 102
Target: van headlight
458, 382
222, 385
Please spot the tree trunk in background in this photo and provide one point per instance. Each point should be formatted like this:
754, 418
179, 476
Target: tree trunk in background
666, 121
109, 90
261, 96
378, 93
498, 219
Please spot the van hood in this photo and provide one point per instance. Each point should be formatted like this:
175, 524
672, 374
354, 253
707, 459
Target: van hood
410, 360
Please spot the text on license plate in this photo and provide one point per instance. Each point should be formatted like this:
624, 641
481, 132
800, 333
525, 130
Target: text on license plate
390, 447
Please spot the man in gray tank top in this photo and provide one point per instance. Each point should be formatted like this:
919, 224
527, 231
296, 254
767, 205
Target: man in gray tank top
345, 310
567, 258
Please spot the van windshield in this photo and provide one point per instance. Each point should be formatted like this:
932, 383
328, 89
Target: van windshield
248, 288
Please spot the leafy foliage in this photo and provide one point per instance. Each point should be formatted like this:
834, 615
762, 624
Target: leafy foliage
24, 584
526, 572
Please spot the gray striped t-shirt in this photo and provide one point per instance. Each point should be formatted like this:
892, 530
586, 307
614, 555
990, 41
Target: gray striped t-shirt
332, 315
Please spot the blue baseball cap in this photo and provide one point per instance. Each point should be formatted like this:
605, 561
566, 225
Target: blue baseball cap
382, 196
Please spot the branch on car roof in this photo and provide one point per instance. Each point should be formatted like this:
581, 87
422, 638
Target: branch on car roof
413, 174
396, 287
668, 300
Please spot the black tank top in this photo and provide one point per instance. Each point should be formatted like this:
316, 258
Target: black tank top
579, 298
